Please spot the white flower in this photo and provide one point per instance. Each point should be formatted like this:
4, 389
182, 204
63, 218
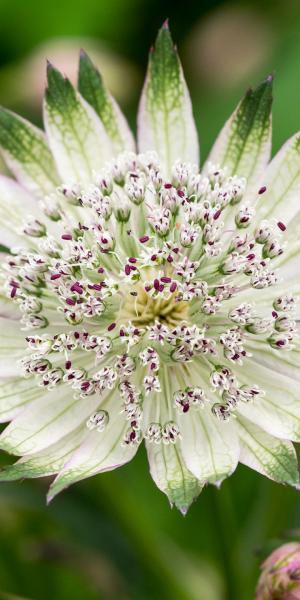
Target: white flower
143, 298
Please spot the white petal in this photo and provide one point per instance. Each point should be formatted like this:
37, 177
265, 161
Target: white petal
101, 451
282, 180
15, 393
16, 205
46, 421
278, 413
210, 448
12, 347
47, 462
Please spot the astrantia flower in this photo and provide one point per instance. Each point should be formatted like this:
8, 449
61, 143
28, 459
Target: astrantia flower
144, 299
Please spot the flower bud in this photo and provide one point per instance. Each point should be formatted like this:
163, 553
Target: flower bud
280, 576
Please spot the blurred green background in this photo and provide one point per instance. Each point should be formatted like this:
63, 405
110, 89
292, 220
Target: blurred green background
115, 537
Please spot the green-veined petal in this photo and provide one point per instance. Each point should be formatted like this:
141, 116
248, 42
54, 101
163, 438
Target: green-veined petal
15, 393
244, 144
93, 90
165, 121
101, 451
16, 206
266, 454
26, 153
76, 135
171, 475
47, 462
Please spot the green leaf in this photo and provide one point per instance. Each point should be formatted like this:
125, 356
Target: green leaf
244, 144
266, 454
165, 121
76, 135
26, 153
91, 87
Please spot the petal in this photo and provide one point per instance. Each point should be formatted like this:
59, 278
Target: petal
46, 421
171, 475
26, 153
16, 205
273, 458
282, 180
98, 453
12, 347
48, 462
210, 448
278, 412
92, 89
15, 393
244, 144
165, 120
76, 135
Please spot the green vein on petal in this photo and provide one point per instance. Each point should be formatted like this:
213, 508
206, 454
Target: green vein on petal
266, 454
171, 475
244, 143
93, 90
165, 121
25, 150
76, 135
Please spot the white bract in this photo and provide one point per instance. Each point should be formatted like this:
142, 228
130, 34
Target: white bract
143, 298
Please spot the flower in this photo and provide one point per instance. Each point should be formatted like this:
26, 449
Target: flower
280, 576
143, 299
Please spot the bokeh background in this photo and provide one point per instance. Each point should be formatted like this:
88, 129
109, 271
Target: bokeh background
115, 537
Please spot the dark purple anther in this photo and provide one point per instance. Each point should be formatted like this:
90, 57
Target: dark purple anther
70, 301
168, 186
262, 189
156, 284
132, 260
127, 269
144, 238
55, 276
173, 287
68, 364
281, 226
217, 214
66, 236
111, 326
166, 279
76, 287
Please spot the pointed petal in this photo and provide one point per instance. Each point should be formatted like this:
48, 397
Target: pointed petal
278, 412
76, 135
92, 89
273, 458
165, 121
244, 144
101, 451
26, 153
16, 205
169, 472
282, 180
46, 421
47, 462
210, 448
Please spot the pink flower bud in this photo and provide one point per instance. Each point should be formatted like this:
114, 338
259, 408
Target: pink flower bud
280, 576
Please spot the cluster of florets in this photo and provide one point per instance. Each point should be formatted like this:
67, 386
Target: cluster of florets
141, 267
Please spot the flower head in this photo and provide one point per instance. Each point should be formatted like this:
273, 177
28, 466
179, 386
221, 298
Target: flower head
143, 298
280, 576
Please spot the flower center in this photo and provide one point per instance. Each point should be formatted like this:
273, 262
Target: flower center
142, 310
